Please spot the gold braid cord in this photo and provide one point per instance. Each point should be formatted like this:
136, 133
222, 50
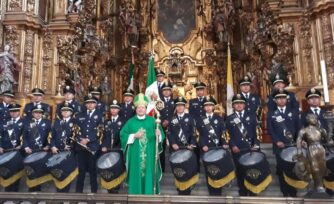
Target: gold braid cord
100, 133
259, 133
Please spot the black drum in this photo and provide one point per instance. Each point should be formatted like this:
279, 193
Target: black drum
329, 178
218, 164
35, 167
256, 171
184, 164
111, 165
287, 164
62, 165
330, 161
11, 166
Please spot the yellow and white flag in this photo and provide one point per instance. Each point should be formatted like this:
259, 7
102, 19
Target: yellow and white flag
229, 87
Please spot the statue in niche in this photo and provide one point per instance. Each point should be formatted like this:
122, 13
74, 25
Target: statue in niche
74, 6
8, 66
223, 20
106, 89
130, 21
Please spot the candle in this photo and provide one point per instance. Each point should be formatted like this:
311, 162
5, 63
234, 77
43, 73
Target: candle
324, 80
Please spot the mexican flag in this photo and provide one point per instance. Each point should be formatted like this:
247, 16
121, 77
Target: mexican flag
151, 87
229, 87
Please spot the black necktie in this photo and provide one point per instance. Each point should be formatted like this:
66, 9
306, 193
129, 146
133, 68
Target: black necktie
210, 117
282, 110
316, 112
89, 113
240, 115
113, 120
247, 96
180, 117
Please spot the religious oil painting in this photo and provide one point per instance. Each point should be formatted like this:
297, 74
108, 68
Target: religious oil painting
176, 19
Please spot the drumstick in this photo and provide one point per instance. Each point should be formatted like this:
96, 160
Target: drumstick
85, 147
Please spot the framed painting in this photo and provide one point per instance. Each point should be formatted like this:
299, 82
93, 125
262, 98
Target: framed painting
176, 19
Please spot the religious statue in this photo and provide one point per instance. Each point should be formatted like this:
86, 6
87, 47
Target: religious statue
130, 21
8, 65
74, 6
223, 20
314, 165
106, 89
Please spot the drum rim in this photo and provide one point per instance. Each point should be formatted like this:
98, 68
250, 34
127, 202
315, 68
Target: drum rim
60, 154
105, 155
8, 159
285, 149
206, 153
179, 152
248, 153
35, 153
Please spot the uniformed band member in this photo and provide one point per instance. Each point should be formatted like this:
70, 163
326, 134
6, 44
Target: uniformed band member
112, 128
253, 101
182, 133
10, 139
280, 82
69, 94
37, 98
212, 128
242, 128
283, 125
160, 81
196, 104
313, 97
89, 125
35, 134
166, 115
7, 99
127, 107
62, 131
100, 105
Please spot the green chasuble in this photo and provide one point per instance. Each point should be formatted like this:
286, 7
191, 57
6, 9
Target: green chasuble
140, 155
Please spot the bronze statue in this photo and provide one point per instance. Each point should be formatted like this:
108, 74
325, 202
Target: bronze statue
315, 162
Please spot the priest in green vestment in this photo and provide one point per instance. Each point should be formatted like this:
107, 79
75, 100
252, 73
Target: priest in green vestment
138, 139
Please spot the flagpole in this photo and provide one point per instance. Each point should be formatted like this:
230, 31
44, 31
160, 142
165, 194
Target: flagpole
158, 121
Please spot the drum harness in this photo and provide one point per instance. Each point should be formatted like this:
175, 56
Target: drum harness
181, 137
64, 139
36, 134
281, 122
212, 134
11, 132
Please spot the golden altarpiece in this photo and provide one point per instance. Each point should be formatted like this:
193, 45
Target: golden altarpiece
92, 42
